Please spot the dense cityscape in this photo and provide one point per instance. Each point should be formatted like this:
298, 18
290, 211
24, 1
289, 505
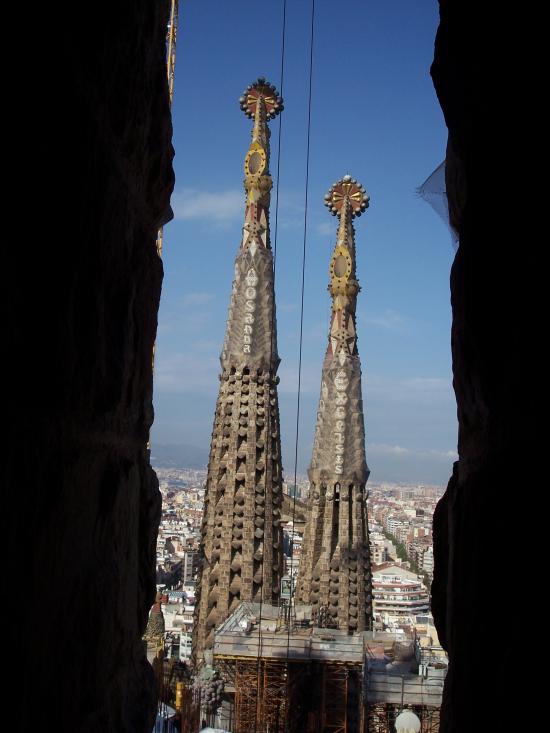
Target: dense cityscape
307, 604
222, 304
291, 607
400, 532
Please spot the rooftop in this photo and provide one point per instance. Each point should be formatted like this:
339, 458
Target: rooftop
396, 669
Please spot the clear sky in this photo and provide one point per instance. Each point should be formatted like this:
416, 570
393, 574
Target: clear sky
374, 115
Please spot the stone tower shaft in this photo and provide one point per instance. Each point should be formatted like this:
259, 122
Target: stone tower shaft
335, 574
241, 548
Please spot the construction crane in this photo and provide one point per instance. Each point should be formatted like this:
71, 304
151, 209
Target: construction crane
171, 34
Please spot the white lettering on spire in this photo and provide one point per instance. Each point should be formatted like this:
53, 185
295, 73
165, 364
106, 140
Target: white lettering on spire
251, 280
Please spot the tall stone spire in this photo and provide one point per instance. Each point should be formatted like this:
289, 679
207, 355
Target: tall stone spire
241, 532
335, 574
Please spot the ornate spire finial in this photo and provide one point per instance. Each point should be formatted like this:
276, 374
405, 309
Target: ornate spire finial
347, 193
260, 102
346, 199
261, 88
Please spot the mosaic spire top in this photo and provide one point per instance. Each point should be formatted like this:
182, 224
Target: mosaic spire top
250, 338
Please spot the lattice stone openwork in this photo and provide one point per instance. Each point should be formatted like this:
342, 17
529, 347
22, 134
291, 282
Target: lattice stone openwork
242, 544
335, 571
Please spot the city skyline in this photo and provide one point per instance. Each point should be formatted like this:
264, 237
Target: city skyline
396, 138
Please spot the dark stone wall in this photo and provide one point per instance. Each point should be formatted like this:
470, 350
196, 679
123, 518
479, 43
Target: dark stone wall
88, 129
81, 283
478, 589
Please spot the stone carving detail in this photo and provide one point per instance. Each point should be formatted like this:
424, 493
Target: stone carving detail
335, 574
241, 533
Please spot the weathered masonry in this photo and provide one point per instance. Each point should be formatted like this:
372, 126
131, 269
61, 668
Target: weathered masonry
335, 572
241, 532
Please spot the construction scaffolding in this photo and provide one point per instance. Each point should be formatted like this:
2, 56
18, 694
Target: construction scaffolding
341, 706
190, 709
311, 680
430, 719
381, 717
262, 691
288, 678
388, 694
276, 696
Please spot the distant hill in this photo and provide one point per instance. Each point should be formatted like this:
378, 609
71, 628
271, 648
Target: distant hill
178, 456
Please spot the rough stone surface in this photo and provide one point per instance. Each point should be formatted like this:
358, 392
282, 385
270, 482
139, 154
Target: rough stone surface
242, 538
479, 583
83, 286
335, 573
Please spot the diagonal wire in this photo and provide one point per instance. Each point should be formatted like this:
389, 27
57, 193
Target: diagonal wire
301, 340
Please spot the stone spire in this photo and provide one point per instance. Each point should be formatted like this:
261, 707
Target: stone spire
335, 574
241, 532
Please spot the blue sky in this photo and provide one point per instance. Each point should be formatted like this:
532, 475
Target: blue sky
374, 115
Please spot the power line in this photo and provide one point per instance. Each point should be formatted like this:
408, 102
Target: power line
301, 332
